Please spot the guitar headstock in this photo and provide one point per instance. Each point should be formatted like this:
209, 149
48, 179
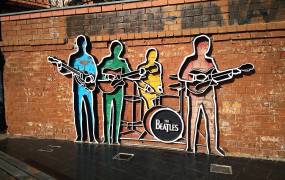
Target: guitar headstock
53, 59
246, 67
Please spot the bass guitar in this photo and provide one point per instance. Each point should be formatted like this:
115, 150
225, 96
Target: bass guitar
116, 78
201, 81
82, 78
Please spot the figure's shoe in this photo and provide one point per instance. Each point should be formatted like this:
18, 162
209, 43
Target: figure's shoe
116, 143
106, 141
189, 149
93, 141
220, 151
78, 140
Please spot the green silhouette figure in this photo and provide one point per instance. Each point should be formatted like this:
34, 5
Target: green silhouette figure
112, 71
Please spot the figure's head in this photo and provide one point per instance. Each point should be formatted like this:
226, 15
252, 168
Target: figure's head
151, 55
81, 42
202, 44
116, 48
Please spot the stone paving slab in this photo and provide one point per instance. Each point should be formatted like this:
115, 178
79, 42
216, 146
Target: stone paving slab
69, 160
11, 168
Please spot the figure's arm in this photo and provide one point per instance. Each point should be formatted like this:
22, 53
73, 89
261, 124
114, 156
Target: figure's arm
61, 69
155, 69
101, 75
93, 72
145, 86
183, 74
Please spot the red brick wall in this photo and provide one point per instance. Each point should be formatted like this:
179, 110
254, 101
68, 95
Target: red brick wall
251, 109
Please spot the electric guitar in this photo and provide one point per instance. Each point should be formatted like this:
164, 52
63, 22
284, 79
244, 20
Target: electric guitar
116, 78
201, 81
82, 78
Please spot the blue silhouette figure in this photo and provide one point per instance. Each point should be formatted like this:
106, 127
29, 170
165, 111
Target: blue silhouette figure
84, 82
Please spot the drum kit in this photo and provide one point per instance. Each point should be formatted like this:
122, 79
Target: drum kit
163, 123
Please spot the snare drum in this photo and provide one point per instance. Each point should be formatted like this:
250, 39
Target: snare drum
164, 124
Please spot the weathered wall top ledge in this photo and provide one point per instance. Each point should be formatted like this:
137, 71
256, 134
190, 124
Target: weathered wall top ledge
100, 7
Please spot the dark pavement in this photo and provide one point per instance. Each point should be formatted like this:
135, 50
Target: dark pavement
68, 160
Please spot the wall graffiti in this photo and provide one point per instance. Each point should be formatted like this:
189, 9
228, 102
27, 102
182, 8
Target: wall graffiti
250, 11
185, 16
135, 21
201, 15
197, 78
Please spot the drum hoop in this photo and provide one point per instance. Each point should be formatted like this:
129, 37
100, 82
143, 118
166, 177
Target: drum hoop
179, 136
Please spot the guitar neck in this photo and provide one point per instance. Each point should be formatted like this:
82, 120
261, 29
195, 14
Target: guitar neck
225, 75
136, 72
129, 74
73, 70
227, 72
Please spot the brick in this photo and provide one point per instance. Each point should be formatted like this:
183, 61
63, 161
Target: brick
159, 2
260, 26
131, 35
171, 33
168, 8
46, 14
15, 17
57, 13
250, 27
119, 7
5, 18
24, 16
175, 1
106, 38
94, 9
144, 4
161, 34
35, 15
276, 25
129, 6
108, 8
69, 11
81, 10
139, 35
153, 34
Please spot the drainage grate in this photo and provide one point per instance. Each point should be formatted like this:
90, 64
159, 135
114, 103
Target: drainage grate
123, 156
222, 169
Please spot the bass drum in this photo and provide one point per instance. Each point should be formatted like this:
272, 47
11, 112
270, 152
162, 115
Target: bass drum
164, 124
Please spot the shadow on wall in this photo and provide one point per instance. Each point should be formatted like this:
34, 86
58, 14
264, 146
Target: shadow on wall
3, 125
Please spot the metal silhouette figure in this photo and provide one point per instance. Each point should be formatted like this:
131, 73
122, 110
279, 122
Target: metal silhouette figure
84, 74
201, 76
113, 71
150, 86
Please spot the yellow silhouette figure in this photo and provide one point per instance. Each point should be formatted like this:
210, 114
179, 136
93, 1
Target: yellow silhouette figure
150, 86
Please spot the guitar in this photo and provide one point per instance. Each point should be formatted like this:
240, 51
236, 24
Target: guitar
82, 78
117, 78
201, 81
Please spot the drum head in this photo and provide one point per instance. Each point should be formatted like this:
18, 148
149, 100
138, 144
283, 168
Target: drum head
164, 124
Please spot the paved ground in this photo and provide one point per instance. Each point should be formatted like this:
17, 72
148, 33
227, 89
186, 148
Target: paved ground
68, 160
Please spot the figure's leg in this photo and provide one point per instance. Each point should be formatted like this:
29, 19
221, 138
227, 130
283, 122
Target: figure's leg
77, 105
194, 130
148, 100
215, 133
118, 113
206, 122
107, 111
188, 124
91, 118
